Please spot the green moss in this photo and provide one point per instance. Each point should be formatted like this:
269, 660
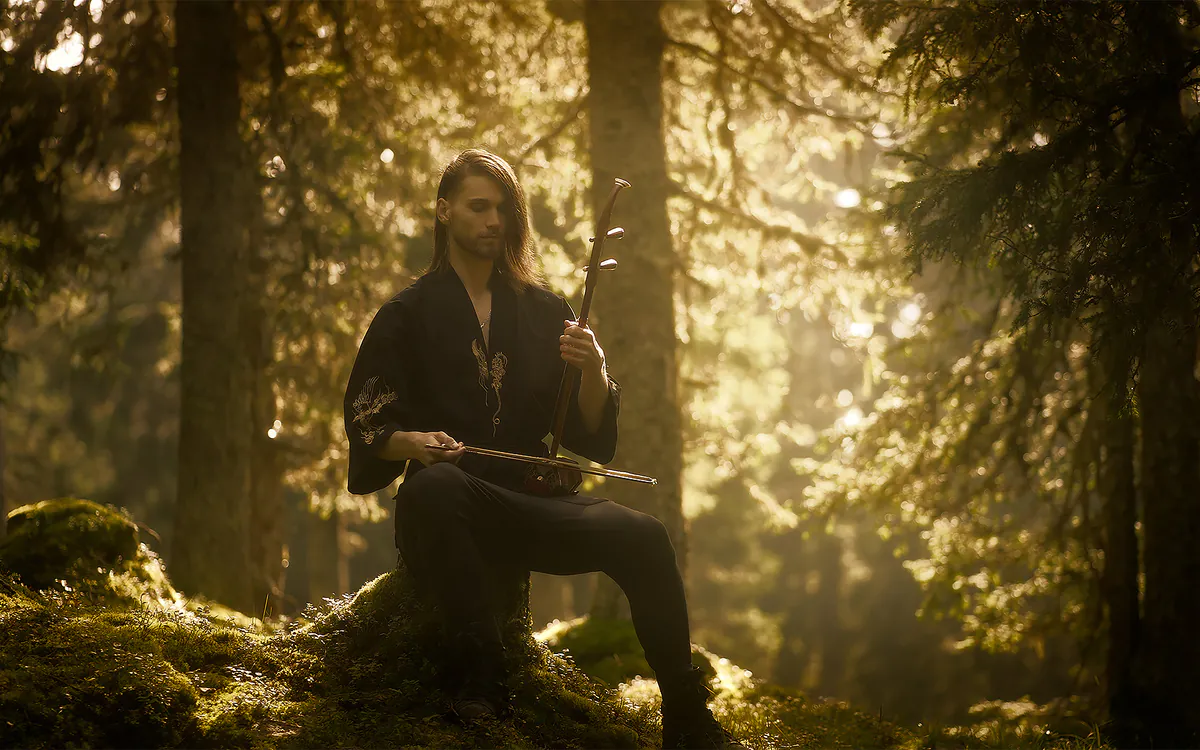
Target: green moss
126, 661
609, 650
388, 685
81, 546
68, 680
359, 672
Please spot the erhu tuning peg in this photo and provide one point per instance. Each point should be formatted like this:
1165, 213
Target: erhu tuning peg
615, 233
608, 264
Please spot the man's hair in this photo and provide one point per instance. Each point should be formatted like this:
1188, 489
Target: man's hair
517, 264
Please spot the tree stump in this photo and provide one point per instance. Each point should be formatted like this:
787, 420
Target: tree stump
391, 632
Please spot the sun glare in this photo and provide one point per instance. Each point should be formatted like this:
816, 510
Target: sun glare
853, 417
66, 55
847, 198
860, 329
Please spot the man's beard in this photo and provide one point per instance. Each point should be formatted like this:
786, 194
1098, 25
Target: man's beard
487, 248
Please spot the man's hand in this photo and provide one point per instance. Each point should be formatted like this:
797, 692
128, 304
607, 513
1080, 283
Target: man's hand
431, 456
579, 347
403, 446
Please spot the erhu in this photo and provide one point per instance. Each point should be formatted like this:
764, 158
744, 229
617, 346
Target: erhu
558, 475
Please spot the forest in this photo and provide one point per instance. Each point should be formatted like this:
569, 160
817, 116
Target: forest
905, 321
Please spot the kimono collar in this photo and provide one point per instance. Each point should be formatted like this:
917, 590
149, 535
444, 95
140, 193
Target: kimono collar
449, 312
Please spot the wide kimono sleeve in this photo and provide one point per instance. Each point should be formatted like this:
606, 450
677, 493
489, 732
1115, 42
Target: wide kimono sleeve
599, 446
377, 401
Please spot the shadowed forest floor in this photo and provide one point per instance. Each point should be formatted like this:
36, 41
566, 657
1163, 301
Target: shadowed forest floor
97, 649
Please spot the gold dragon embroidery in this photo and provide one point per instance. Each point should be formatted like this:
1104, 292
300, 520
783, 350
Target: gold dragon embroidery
481, 361
494, 373
499, 363
369, 403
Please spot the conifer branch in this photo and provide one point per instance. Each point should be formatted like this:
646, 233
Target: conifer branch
1013, 246
808, 110
810, 243
544, 140
816, 48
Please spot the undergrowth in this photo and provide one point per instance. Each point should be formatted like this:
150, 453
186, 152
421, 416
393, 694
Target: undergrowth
97, 649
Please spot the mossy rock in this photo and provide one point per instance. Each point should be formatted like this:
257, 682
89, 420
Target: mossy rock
78, 545
609, 650
130, 668
364, 671
382, 655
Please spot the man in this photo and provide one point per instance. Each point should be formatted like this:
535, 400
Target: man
472, 354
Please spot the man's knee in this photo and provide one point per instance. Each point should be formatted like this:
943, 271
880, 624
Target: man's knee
439, 474
648, 537
433, 494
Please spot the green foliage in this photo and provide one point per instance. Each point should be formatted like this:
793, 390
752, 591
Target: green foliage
359, 671
70, 127
609, 650
989, 460
1045, 157
362, 671
74, 679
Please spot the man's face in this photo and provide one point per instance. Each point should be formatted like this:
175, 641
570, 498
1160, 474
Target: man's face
475, 217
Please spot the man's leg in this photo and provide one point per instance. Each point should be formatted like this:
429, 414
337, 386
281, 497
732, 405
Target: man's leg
567, 536
448, 525
451, 526
579, 534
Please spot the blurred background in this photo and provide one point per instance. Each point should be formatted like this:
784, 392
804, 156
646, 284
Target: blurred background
880, 315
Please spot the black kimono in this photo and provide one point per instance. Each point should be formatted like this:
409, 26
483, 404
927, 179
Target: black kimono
423, 366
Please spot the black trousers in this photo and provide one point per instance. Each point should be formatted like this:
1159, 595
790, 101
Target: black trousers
451, 526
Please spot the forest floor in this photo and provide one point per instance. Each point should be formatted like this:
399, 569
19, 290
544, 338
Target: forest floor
97, 649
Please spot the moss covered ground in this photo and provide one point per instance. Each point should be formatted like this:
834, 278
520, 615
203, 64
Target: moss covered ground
98, 650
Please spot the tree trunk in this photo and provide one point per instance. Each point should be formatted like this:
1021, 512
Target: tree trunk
550, 598
266, 466
1169, 653
266, 523
328, 569
1169, 656
832, 640
1119, 579
635, 318
211, 552
3, 484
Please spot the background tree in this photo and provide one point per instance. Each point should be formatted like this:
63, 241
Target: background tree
1075, 110
625, 126
216, 379
80, 203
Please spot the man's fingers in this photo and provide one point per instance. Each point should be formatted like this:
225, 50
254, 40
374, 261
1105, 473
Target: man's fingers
580, 340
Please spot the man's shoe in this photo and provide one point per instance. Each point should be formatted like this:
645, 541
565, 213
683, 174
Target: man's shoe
697, 733
687, 722
481, 673
473, 708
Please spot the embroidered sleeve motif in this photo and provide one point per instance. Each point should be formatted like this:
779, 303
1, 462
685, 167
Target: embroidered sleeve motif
368, 404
